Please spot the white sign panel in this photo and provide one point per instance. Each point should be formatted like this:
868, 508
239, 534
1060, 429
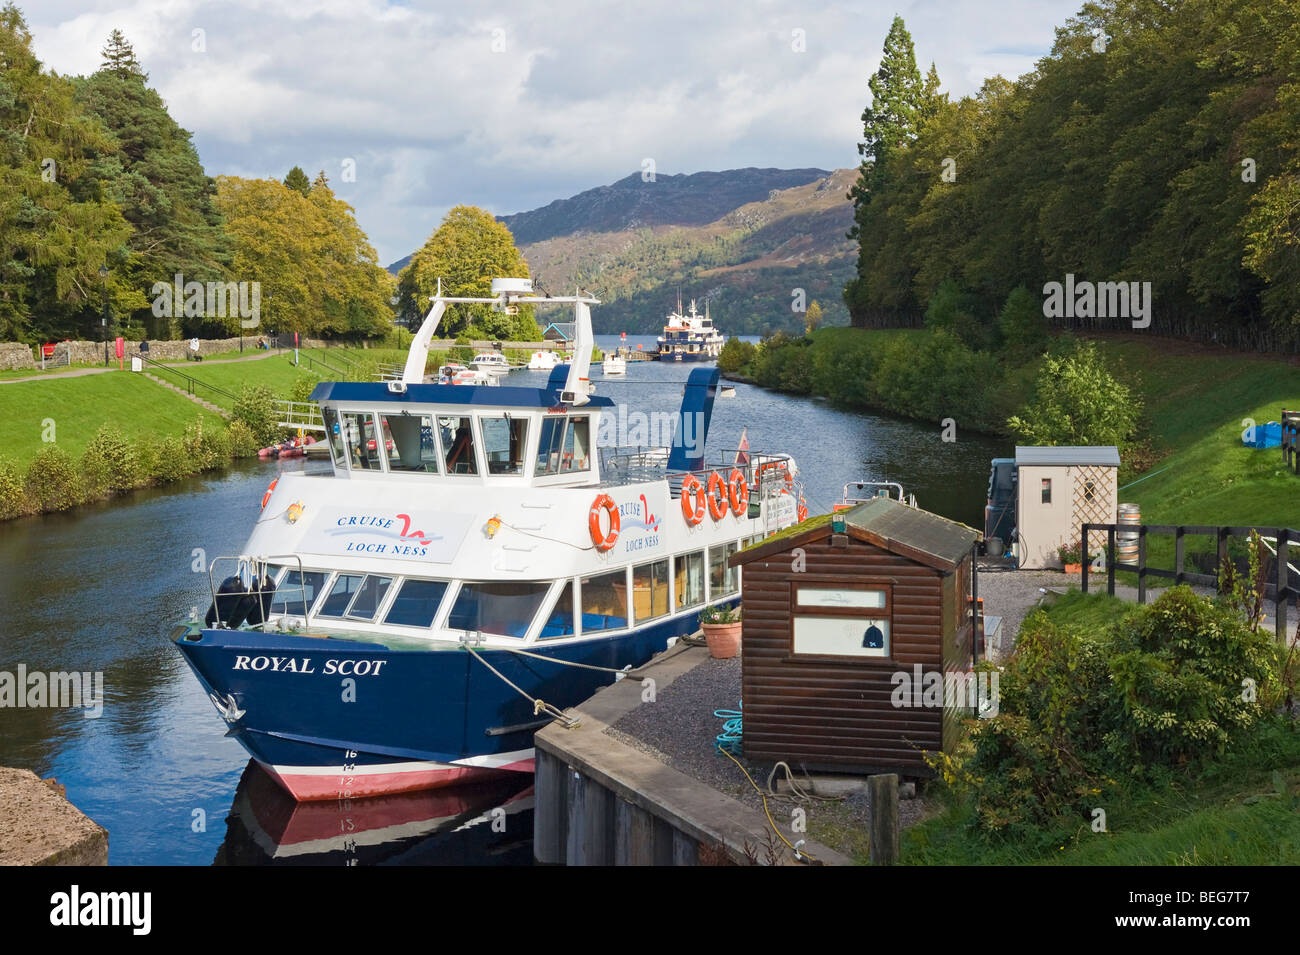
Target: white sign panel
432, 536
825, 597
842, 636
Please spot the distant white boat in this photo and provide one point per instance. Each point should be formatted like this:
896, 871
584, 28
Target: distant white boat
491, 362
614, 365
727, 391
543, 360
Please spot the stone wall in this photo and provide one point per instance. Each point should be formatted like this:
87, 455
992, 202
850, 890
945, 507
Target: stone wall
15, 355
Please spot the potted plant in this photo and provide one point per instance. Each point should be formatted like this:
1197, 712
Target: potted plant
1072, 557
721, 626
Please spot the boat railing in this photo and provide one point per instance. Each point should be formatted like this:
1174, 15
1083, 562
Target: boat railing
299, 415
763, 472
258, 567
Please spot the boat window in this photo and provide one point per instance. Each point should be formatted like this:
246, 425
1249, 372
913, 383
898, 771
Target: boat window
363, 448
560, 621
414, 446
604, 602
576, 446
335, 434
340, 595
416, 603
505, 608
298, 592
650, 590
689, 579
457, 436
369, 597
504, 440
723, 580
548, 446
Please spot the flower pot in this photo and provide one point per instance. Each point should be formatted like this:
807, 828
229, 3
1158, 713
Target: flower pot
1073, 568
723, 639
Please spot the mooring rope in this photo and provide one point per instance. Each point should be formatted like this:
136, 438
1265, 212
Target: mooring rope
573, 663
539, 706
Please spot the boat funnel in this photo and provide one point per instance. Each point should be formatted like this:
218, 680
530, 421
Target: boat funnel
687, 452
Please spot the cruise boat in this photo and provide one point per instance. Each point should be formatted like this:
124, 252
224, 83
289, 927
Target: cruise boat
408, 620
690, 336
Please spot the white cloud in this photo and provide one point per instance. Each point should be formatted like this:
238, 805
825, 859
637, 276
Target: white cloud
581, 94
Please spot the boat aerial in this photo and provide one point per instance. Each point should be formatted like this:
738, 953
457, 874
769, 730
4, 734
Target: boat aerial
690, 336
411, 618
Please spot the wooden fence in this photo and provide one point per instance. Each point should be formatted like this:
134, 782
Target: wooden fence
1291, 439
1278, 590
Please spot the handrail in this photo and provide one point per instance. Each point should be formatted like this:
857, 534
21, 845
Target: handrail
260, 568
190, 380
339, 373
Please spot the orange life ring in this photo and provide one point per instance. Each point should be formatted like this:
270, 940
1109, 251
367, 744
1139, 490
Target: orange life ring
267, 496
693, 497
717, 496
738, 491
603, 504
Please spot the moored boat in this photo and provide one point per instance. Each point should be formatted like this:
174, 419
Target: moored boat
410, 620
690, 336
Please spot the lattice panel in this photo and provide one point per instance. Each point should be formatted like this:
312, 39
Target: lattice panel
1100, 509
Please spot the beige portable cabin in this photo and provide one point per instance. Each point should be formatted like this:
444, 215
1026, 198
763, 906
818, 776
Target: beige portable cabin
1059, 489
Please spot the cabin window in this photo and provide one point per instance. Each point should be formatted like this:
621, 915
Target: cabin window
414, 447
689, 579
334, 432
340, 595
650, 590
840, 620
604, 602
298, 592
548, 446
362, 443
457, 435
416, 603
366, 603
504, 440
504, 608
560, 621
577, 446
723, 580
1047, 490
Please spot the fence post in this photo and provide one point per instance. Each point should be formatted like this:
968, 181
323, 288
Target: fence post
1179, 554
1142, 563
1083, 583
1110, 559
1283, 581
1222, 556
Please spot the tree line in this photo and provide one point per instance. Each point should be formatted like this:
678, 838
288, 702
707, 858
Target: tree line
1155, 143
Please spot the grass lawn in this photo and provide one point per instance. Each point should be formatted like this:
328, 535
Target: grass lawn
78, 406
1240, 809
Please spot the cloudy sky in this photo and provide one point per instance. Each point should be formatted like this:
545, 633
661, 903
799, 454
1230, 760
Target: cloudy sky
413, 107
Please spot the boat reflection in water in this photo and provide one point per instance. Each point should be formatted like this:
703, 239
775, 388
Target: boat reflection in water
485, 823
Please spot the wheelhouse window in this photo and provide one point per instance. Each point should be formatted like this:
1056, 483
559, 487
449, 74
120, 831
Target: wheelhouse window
560, 621
650, 590
504, 608
340, 595
366, 603
457, 436
564, 445
414, 445
334, 432
360, 437
604, 602
504, 440
416, 603
549, 445
839, 620
297, 592
723, 580
689, 579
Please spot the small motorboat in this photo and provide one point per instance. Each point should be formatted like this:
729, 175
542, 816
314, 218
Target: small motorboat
614, 364
491, 362
727, 391
543, 361
292, 448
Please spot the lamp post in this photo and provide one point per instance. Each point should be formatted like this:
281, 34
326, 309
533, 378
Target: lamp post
103, 322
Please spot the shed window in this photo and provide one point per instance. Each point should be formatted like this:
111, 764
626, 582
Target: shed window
1089, 490
1047, 490
841, 620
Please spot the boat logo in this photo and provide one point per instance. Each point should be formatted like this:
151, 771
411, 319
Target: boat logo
375, 526
636, 514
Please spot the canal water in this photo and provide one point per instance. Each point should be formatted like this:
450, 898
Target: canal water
99, 589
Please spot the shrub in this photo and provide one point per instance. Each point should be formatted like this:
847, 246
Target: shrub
735, 355
243, 443
208, 446
302, 387
53, 481
255, 407
1078, 401
171, 461
1021, 321
13, 495
109, 463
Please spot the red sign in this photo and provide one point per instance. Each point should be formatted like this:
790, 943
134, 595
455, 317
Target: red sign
623, 336
121, 347
47, 351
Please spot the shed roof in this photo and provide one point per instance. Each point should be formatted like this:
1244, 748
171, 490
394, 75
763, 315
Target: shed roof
564, 330
1068, 456
892, 525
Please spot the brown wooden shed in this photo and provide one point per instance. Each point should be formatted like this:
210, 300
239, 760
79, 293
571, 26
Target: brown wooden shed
844, 632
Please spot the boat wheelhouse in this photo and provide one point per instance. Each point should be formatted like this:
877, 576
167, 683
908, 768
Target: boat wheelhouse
410, 619
690, 336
